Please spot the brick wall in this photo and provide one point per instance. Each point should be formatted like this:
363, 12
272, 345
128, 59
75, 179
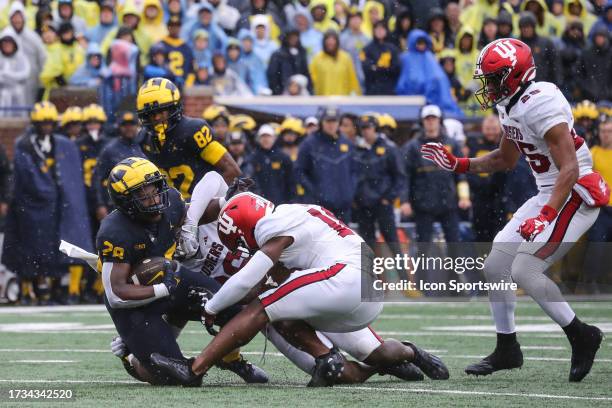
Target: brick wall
10, 129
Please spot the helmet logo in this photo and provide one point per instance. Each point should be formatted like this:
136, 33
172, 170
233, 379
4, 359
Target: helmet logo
226, 224
505, 49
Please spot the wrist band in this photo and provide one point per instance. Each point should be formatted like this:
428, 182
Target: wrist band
548, 213
160, 290
463, 165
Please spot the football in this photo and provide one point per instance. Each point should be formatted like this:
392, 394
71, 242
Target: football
150, 271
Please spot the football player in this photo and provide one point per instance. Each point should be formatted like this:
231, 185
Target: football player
148, 318
182, 147
325, 292
537, 122
206, 253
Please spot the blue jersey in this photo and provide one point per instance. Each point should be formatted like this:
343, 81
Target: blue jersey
180, 58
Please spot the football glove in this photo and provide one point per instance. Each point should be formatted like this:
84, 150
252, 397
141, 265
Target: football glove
171, 277
118, 347
203, 295
239, 185
437, 153
531, 227
188, 243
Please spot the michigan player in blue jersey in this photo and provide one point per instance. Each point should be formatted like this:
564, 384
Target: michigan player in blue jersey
182, 147
149, 318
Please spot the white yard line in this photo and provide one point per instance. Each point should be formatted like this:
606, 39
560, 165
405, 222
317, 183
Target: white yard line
349, 388
443, 353
44, 361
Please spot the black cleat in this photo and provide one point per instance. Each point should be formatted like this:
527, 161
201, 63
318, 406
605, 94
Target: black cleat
501, 359
404, 371
583, 352
251, 374
328, 369
179, 369
431, 365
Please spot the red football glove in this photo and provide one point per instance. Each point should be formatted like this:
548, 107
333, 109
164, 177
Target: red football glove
531, 227
437, 153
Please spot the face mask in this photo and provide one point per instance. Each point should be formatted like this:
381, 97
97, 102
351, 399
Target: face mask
160, 131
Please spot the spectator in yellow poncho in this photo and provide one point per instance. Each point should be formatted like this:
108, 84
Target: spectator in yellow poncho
546, 23
576, 10
332, 71
321, 16
474, 15
64, 58
152, 21
373, 12
130, 17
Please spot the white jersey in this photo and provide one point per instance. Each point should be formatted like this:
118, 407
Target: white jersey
319, 238
541, 107
213, 258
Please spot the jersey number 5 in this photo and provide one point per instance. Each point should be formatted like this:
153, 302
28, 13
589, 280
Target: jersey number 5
331, 221
538, 162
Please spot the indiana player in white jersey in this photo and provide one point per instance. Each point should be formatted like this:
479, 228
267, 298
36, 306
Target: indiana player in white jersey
537, 123
203, 250
325, 292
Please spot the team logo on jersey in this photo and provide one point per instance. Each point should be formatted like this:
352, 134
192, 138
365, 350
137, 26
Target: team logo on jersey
505, 49
226, 224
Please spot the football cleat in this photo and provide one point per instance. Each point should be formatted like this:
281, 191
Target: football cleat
328, 369
251, 374
404, 371
501, 359
179, 369
431, 365
583, 352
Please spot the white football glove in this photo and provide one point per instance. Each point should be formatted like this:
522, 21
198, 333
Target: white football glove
188, 243
118, 347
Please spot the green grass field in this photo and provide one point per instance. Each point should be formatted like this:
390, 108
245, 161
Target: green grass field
68, 348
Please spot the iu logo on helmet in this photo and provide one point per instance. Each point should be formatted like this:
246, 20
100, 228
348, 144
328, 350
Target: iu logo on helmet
226, 224
505, 49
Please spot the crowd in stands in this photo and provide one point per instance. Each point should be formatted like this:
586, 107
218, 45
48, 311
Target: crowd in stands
297, 47
364, 169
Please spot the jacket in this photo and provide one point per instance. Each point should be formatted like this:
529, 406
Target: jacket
334, 75
283, 65
421, 74
429, 188
326, 169
381, 66
272, 171
381, 173
14, 73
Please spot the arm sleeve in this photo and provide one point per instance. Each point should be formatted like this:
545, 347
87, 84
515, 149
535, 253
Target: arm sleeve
239, 284
210, 186
113, 300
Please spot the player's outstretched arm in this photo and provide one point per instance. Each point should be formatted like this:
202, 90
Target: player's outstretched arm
502, 158
563, 152
228, 167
